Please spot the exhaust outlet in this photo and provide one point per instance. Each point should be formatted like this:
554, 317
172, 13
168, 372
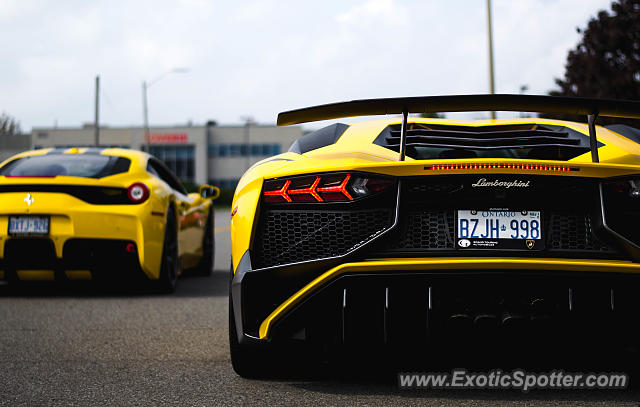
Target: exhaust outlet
540, 310
459, 321
485, 321
512, 320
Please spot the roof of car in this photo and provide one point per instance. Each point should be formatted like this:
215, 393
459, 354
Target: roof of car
123, 152
138, 158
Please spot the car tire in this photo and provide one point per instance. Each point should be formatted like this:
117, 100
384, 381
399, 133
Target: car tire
170, 265
205, 267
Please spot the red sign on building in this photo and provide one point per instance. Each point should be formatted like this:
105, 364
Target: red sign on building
168, 138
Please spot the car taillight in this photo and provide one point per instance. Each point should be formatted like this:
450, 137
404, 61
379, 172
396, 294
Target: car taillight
323, 188
138, 192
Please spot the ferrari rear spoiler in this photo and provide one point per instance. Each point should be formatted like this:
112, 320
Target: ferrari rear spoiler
592, 108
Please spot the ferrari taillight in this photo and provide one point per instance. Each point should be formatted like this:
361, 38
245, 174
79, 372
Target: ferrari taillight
323, 188
138, 193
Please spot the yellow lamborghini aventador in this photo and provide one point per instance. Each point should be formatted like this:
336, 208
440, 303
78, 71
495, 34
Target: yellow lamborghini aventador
93, 213
404, 233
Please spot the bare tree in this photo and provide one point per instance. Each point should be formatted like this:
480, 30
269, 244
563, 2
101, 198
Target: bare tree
8, 125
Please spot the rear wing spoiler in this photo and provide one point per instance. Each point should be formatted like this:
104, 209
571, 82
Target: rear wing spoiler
592, 108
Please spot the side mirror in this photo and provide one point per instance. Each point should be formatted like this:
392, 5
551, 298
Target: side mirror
209, 192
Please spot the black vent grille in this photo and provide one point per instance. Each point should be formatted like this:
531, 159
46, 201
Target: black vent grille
99, 253
428, 230
572, 231
31, 253
293, 236
484, 137
433, 141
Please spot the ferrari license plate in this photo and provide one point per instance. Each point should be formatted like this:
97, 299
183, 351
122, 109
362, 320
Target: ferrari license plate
28, 225
499, 229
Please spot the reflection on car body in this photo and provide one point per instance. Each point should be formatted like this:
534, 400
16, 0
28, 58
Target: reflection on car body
91, 213
369, 236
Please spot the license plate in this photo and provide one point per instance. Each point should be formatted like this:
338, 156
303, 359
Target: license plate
499, 229
28, 225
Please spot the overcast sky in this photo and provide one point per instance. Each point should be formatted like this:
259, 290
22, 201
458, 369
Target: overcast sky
257, 58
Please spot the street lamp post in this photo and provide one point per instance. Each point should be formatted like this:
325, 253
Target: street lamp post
145, 115
145, 111
491, 80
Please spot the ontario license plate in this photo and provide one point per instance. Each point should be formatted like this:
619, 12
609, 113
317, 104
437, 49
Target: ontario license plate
28, 225
499, 229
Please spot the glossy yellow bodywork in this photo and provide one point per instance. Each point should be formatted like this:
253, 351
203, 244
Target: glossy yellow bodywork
355, 151
144, 223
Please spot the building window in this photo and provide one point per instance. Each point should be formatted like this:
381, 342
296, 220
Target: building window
43, 135
234, 150
242, 150
179, 159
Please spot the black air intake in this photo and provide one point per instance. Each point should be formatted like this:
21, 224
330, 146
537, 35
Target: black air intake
286, 236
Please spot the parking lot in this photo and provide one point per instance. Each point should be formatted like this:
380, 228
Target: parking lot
81, 346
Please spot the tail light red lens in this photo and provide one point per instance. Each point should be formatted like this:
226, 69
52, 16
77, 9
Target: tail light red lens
138, 193
335, 188
323, 188
305, 190
277, 191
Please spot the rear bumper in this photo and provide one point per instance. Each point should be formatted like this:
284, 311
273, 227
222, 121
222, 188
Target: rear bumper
36, 259
100, 228
385, 290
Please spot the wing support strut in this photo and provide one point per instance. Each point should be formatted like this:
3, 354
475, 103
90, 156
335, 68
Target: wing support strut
593, 139
403, 134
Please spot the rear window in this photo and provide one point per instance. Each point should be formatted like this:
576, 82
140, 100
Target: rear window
72, 165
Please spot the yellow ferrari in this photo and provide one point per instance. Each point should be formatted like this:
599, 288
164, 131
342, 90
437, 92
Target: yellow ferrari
94, 213
406, 234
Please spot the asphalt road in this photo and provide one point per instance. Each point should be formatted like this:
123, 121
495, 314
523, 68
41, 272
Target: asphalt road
79, 346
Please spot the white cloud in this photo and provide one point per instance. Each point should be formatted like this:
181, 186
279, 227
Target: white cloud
264, 56
385, 12
255, 11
